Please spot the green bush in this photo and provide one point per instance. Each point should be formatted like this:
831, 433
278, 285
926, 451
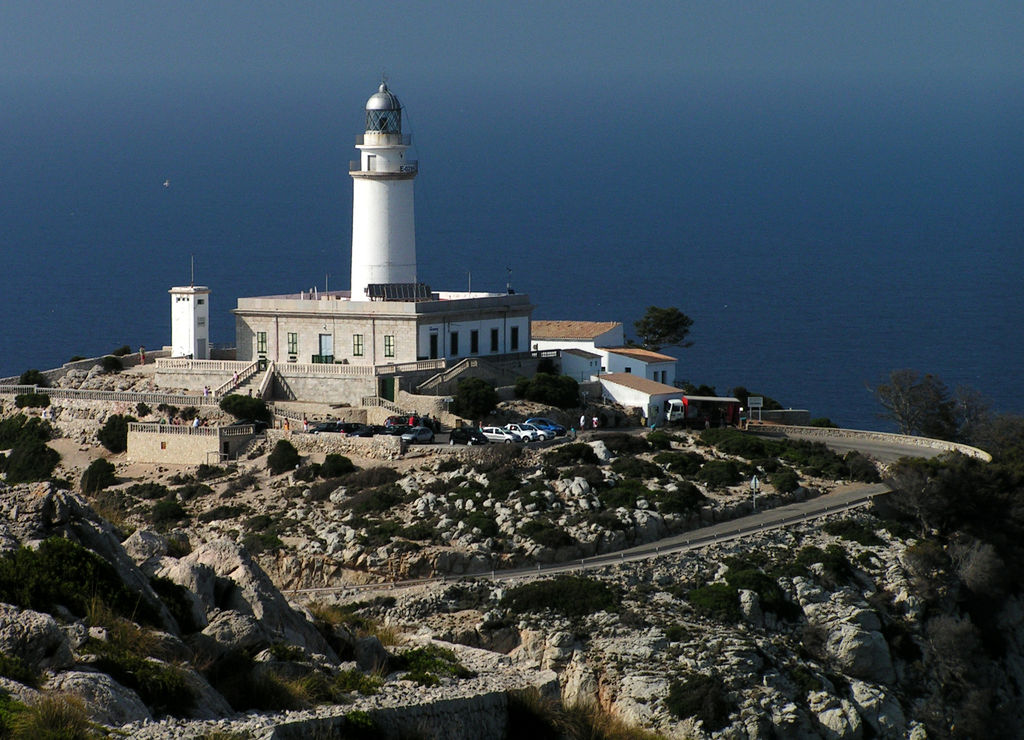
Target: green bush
625, 494
121, 351
681, 463
861, 468
474, 398
371, 478
114, 433
571, 596
10, 710
660, 440
552, 390
686, 498
849, 529
335, 465
635, 467
62, 573
785, 481
167, 513
702, 696
621, 443
14, 668
284, 457
426, 664
483, 521
53, 717
16, 428
32, 400
717, 601
206, 472
771, 595
219, 513
142, 409
257, 542
162, 687
99, 475
190, 491
574, 453
111, 364
245, 407
741, 444
720, 473
30, 460
822, 421
178, 601
546, 533
33, 377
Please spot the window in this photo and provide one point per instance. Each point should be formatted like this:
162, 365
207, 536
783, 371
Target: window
261, 342
629, 369
293, 343
474, 342
455, 343
201, 321
357, 345
514, 339
494, 340
389, 345
200, 301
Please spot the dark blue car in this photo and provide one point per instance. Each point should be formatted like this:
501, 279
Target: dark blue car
547, 425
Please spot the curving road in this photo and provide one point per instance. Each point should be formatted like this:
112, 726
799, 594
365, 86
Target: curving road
842, 499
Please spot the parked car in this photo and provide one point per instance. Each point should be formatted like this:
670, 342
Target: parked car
261, 426
501, 434
395, 430
400, 421
420, 435
528, 433
544, 433
355, 429
326, 426
467, 436
541, 423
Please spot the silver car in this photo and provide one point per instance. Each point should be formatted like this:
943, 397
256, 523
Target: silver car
420, 435
500, 434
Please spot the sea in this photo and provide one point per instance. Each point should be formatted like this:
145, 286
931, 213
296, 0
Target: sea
820, 233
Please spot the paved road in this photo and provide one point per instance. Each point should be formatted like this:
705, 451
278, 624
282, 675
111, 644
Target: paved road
842, 499
883, 451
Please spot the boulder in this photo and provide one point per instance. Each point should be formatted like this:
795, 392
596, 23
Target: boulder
242, 586
232, 630
837, 718
878, 709
34, 637
860, 653
144, 546
109, 702
370, 654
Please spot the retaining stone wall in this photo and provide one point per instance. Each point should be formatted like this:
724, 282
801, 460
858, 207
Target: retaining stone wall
380, 447
831, 433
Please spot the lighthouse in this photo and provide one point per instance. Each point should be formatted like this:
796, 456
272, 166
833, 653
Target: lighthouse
383, 228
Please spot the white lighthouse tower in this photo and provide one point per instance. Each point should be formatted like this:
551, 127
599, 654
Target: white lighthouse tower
383, 228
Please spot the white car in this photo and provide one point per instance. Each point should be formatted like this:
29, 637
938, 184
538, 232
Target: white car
527, 432
500, 434
544, 433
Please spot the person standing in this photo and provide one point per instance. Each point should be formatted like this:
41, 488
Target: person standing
583, 422
142, 355
594, 419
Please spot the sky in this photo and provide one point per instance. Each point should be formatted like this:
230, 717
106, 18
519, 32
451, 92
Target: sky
509, 46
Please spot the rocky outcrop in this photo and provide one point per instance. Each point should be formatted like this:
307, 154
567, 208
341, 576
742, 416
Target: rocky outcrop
34, 638
109, 702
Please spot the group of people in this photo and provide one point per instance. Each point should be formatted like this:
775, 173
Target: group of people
583, 422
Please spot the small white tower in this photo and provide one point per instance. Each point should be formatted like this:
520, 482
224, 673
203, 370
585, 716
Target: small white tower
383, 228
190, 322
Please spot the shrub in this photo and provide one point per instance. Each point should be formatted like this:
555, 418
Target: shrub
702, 696
681, 463
206, 472
32, 400
574, 453
14, 429
54, 717
142, 409
335, 465
769, 592
245, 407
474, 398
717, 601
99, 475
111, 364
13, 667
849, 529
190, 491
162, 687
483, 521
552, 390
660, 440
178, 601
861, 468
284, 457
741, 444
30, 460
121, 351
372, 478
257, 542
546, 533
720, 473
822, 421
63, 573
624, 444
785, 481
166, 513
33, 377
114, 434
686, 498
426, 664
635, 467
571, 596
624, 493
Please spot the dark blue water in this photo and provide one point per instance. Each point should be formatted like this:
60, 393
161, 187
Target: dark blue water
818, 234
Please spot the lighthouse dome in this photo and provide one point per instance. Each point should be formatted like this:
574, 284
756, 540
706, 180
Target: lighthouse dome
383, 99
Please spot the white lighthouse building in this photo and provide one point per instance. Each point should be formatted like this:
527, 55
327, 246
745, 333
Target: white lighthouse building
383, 224
190, 322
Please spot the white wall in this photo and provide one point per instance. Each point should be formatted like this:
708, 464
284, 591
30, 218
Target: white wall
190, 322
